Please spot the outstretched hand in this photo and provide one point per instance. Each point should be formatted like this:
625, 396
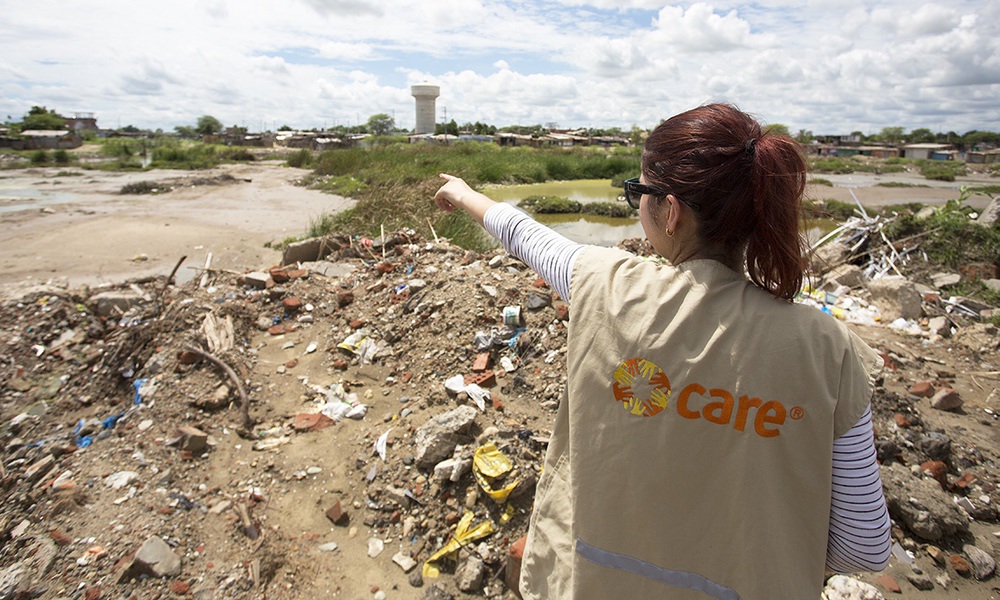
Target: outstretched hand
449, 196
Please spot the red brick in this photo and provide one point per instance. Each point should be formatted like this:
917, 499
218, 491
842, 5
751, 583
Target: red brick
278, 274
188, 358
514, 556
562, 311
482, 362
292, 363
978, 271
924, 389
345, 298
960, 484
935, 469
901, 421
385, 267
281, 328
484, 379
406, 377
337, 514
296, 273
60, 538
93, 593
291, 304
311, 422
540, 283
340, 365
180, 587
960, 565
889, 583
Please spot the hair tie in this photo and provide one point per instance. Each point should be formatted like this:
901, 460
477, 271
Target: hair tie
750, 145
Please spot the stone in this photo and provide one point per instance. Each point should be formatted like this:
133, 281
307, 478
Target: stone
827, 255
936, 470
982, 564
190, 439
979, 271
156, 559
515, 554
936, 446
850, 275
110, 304
469, 575
993, 285
40, 467
941, 280
946, 399
940, 326
120, 479
842, 587
436, 592
920, 581
375, 547
436, 440
328, 547
305, 251
180, 587
923, 389
937, 555
258, 280
416, 579
943, 580
990, 214
896, 297
405, 561
538, 301
921, 505
328, 269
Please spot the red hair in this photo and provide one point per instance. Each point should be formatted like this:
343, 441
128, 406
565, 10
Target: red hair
747, 182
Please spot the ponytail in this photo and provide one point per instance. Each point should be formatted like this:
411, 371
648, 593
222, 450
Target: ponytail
774, 248
748, 183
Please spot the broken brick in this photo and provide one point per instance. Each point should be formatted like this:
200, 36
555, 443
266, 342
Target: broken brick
385, 267
562, 311
281, 328
60, 538
337, 514
889, 583
186, 357
311, 422
291, 304
539, 283
180, 587
901, 421
482, 362
960, 564
344, 298
936, 469
406, 377
923, 389
484, 379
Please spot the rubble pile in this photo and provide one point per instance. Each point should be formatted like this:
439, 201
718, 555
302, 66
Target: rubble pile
368, 419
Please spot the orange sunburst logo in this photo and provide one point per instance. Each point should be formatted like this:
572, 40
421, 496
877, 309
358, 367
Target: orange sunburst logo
642, 387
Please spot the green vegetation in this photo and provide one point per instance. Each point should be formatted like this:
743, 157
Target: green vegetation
341, 185
550, 205
41, 118
828, 208
61, 157
609, 209
300, 159
942, 170
957, 239
900, 184
39, 158
208, 125
144, 187
989, 190
820, 181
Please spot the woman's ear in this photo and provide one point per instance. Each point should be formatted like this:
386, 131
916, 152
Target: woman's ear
673, 212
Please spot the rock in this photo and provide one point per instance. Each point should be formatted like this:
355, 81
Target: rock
327, 547
405, 562
889, 583
328, 269
946, 399
538, 301
827, 255
982, 564
940, 326
850, 275
920, 581
938, 555
469, 576
40, 467
375, 547
12, 579
156, 559
842, 587
896, 297
436, 592
264, 323
304, 251
110, 304
943, 580
338, 515
257, 280
941, 280
936, 446
120, 479
960, 565
180, 587
190, 439
990, 214
921, 505
993, 285
416, 579
923, 389
436, 440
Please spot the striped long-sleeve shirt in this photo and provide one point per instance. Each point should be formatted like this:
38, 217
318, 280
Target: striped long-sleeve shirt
859, 521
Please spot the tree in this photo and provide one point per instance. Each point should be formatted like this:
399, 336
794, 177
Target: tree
921, 136
777, 129
804, 136
447, 128
284, 128
208, 125
41, 118
891, 135
380, 124
186, 132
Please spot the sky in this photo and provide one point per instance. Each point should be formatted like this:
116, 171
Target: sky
826, 66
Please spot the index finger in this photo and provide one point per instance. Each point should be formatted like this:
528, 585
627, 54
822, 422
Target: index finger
447, 176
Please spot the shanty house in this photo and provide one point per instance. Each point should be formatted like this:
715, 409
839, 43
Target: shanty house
931, 151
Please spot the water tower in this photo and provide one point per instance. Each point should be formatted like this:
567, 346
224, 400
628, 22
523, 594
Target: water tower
425, 95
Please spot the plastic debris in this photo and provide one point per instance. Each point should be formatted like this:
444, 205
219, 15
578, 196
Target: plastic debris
381, 442
464, 534
488, 463
479, 396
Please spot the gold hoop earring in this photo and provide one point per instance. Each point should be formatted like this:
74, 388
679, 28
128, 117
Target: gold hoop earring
670, 233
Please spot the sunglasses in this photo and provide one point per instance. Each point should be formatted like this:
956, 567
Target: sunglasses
635, 190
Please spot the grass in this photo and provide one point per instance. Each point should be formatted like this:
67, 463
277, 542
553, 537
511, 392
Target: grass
394, 182
828, 208
820, 181
900, 184
991, 190
144, 187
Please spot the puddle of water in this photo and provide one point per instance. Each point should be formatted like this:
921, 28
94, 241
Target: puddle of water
13, 199
584, 229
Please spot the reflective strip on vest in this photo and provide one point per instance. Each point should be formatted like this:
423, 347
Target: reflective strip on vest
681, 579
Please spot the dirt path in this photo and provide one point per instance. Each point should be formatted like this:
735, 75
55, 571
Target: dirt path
82, 229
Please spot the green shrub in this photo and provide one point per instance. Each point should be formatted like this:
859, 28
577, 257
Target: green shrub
342, 185
942, 170
300, 159
900, 184
820, 181
39, 157
550, 205
144, 187
61, 157
828, 209
608, 209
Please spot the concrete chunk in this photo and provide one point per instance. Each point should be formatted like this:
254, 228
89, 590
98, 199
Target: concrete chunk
156, 558
436, 439
108, 304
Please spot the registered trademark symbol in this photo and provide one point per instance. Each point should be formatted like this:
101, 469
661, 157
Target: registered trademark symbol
797, 413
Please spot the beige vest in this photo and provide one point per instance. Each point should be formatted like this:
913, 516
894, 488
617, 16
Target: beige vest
692, 455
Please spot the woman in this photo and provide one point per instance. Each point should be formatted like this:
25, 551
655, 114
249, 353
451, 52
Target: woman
715, 439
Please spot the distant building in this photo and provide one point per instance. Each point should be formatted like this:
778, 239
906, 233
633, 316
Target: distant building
38, 139
931, 151
426, 97
982, 157
82, 121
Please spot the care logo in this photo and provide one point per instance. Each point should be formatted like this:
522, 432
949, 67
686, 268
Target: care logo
642, 387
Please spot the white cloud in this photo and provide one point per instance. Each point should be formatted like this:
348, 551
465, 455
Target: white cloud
701, 29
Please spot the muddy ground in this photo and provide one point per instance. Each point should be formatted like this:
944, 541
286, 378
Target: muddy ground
247, 513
